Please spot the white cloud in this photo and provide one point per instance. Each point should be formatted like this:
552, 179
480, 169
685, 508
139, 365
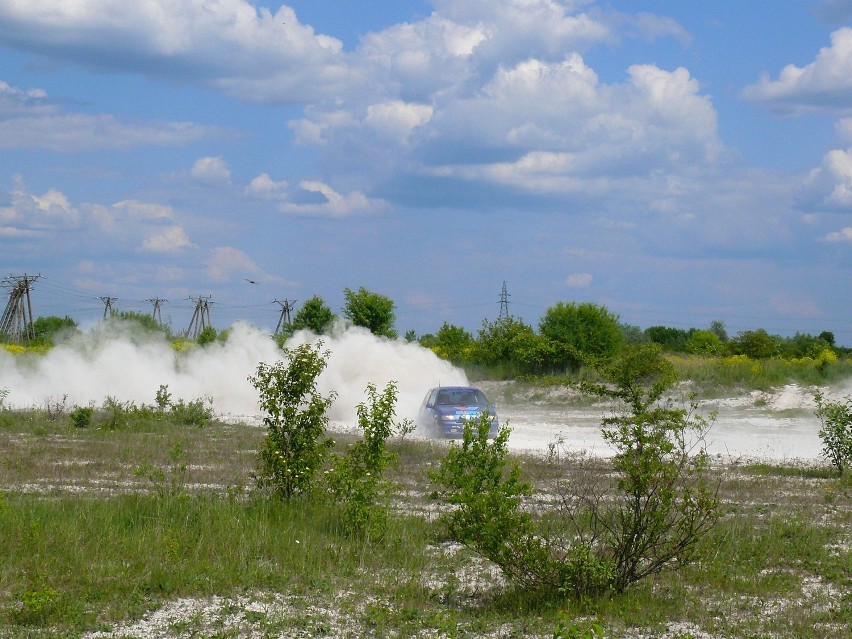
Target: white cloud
265, 187
335, 204
211, 169
843, 235
28, 120
829, 186
824, 84
30, 213
232, 45
579, 280
169, 240
844, 129
226, 262
396, 119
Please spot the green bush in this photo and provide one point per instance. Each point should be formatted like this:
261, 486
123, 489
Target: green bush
357, 478
295, 446
836, 431
602, 535
81, 416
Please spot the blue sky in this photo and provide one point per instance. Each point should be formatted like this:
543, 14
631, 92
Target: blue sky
678, 162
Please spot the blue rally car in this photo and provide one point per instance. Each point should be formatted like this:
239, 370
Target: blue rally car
446, 409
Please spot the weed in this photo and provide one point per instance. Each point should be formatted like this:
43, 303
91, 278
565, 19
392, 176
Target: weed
81, 417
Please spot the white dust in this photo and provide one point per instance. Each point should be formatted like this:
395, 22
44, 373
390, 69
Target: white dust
111, 360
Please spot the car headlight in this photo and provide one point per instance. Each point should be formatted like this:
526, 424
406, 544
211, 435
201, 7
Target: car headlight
448, 418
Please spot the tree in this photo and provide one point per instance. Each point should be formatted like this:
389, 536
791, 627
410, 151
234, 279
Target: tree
453, 343
836, 431
702, 342
586, 330
371, 310
315, 316
671, 339
48, 327
755, 344
718, 327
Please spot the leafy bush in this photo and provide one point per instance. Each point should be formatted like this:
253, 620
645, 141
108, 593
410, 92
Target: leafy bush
357, 479
295, 446
836, 431
370, 310
81, 416
602, 535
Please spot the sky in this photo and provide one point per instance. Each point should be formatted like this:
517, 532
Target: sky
676, 162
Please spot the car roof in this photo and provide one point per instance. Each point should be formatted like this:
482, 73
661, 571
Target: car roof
454, 388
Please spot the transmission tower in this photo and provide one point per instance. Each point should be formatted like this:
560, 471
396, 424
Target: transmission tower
504, 304
284, 318
200, 317
156, 315
108, 309
17, 320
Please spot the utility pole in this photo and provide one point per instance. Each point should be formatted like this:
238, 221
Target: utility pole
17, 320
284, 318
504, 304
108, 309
156, 315
200, 317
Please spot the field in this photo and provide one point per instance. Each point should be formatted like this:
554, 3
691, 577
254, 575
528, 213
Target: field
155, 529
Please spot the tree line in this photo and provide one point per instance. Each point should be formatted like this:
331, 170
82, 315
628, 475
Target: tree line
568, 336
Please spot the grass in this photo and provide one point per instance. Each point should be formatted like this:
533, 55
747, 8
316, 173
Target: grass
98, 527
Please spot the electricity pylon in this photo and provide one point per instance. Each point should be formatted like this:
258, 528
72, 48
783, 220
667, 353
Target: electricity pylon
504, 304
284, 318
156, 315
200, 317
108, 309
17, 320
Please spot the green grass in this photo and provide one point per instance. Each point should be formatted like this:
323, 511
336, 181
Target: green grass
99, 526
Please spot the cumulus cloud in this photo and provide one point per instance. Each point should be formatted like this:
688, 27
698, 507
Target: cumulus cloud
29, 120
265, 187
824, 84
30, 213
334, 204
224, 263
829, 186
211, 169
169, 240
231, 45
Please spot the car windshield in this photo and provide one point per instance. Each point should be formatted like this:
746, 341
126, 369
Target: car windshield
461, 397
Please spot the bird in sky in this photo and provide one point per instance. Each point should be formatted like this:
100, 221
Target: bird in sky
251, 281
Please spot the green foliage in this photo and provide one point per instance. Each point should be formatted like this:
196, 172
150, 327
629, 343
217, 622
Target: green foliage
665, 503
453, 343
601, 536
144, 321
315, 316
704, 342
207, 335
586, 330
836, 431
47, 328
485, 491
295, 446
566, 628
511, 347
756, 344
81, 416
370, 310
718, 327
671, 339
357, 478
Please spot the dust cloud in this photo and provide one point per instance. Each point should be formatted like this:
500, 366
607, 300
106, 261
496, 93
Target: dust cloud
112, 360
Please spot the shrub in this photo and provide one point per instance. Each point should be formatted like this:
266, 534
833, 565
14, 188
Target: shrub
81, 416
357, 479
602, 535
836, 431
295, 446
